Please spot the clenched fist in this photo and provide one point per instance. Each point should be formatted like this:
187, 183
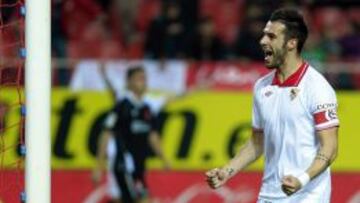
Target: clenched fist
218, 177
290, 185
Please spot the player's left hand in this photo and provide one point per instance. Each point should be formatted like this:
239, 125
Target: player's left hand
96, 176
290, 185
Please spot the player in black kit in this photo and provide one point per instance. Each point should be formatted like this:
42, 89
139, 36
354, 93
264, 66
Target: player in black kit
133, 126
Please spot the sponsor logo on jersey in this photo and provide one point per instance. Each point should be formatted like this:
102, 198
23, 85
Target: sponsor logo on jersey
139, 126
325, 106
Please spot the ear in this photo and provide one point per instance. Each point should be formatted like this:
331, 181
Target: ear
292, 44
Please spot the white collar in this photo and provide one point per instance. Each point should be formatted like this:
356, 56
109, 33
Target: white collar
131, 97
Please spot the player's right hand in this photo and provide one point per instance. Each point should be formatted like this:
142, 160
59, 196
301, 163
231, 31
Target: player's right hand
216, 177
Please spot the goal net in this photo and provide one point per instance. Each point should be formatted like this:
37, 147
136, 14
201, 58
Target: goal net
12, 109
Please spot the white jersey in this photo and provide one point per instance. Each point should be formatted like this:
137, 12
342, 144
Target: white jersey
289, 114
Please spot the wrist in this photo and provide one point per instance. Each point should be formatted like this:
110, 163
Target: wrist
230, 171
303, 178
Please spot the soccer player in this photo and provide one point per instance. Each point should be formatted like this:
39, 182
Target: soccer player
133, 127
295, 122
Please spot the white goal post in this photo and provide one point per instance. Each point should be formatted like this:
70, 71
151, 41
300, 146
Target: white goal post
37, 94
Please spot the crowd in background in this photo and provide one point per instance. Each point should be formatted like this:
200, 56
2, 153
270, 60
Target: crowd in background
194, 29
206, 30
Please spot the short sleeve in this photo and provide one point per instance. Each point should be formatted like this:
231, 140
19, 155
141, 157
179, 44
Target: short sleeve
110, 120
323, 107
257, 121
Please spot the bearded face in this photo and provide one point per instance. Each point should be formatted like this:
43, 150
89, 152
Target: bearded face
273, 44
276, 57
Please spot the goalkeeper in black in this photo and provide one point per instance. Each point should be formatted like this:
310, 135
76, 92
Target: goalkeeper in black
134, 129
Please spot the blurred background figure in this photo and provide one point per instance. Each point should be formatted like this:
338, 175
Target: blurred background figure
205, 44
130, 127
127, 12
166, 34
247, 46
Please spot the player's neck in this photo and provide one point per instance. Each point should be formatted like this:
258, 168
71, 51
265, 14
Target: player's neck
290, 66
138, 96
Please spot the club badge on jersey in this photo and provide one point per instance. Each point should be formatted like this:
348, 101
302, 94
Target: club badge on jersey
294, 93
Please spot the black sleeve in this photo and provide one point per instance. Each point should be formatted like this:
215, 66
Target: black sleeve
115, 115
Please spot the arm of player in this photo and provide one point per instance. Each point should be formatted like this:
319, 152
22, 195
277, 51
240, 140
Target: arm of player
155, 144
101, 156
107, 81
326, 155
249, 153
327, 152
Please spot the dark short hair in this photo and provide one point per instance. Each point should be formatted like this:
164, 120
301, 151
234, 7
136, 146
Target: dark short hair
133, 70
295, 26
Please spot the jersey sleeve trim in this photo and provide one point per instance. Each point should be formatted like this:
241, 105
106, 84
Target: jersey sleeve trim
325, 127
330, 124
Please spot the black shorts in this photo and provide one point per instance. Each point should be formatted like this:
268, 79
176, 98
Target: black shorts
132, 184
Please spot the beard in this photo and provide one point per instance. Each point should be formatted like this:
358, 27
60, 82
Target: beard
278, 58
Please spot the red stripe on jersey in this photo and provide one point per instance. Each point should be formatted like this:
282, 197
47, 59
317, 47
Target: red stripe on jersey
320, 117
294, 79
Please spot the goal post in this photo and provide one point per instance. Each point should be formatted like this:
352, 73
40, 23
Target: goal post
37, 93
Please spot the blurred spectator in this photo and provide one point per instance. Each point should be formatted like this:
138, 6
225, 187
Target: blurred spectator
59, 42
58, 38
205, 44
247, 44
350, 51
126, 12
323, 47
90, 44
189, 14
329, 40
91, 29
314, 51
332, 25
166, 34
78, 14
350, 43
